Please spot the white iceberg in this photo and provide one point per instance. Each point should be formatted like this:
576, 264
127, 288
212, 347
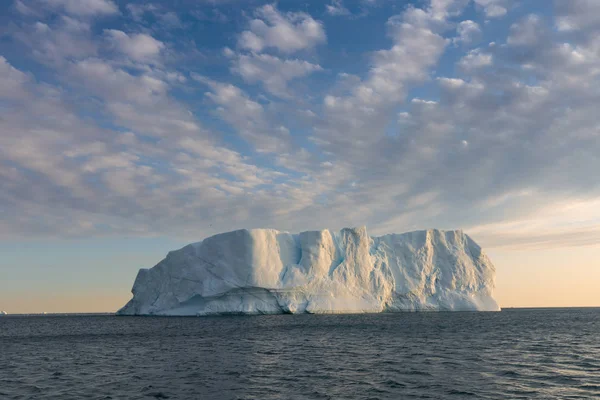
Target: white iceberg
3, 313
265, 271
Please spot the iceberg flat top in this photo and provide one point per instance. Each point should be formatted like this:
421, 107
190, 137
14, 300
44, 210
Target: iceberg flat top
267, 271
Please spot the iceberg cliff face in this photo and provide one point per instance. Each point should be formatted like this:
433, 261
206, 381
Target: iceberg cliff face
264, 271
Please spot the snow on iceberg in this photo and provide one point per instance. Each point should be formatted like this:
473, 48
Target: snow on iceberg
265, 271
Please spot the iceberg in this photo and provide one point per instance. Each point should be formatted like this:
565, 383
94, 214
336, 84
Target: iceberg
3, 313
265, 271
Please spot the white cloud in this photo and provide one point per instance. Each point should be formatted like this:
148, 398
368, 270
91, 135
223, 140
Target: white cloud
336, 8
576, 15
138, 46
567, 222
11, 84
454, 137
160, 13
109, 161
71, 170
137, 11
139, 102
504, 150
286, 32
24, 9
116, 84
440, 10
66, 39
475, 59
417, 47
83, 8
248, 117
493, 8
527, 32
468, 32
273, 72
171, 20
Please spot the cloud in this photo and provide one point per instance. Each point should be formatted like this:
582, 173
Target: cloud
526, 32
336, 8
82, 8
117, 84
138, 46
440, 10
468, 32
24, 9
417, 47
137, 11
566, 223
67, 38
288, 32
273, 72
485, 134
493, 8
577, 15
476, 59
75, 171
93, 180
13, 81
247, 116
162, 16
501, 139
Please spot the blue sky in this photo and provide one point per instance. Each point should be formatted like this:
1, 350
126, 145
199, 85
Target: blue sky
129, 128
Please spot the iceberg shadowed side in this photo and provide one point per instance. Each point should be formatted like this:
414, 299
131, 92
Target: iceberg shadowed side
265, 271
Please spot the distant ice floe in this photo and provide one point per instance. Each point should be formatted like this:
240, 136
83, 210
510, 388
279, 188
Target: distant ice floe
265, 271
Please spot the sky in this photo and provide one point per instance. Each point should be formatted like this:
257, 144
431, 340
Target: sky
131, 128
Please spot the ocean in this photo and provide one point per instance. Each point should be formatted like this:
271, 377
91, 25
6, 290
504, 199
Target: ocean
513, 354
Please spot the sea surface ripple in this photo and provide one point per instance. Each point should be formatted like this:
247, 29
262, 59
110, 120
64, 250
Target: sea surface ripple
513, 354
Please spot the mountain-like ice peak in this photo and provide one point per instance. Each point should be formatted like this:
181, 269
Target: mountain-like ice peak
265, 271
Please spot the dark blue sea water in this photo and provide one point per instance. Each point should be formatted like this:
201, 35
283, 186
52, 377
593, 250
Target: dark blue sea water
513, 354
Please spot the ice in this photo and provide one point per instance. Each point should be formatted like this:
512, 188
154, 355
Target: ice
264, 271
3, 313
